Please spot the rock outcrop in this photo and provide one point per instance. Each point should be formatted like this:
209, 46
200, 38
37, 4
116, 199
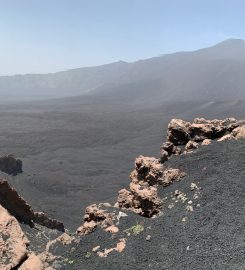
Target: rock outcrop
148, 170
239, 132
33, 263
191, 145
13, 242
18, 207
170, 175
189, 134
226, 137
10, 165
179, 132
42, 219
142, 197
93, 217
15, 252
168, 149
206, 142
141, 200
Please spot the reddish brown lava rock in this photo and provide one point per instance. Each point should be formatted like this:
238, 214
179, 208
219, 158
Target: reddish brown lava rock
191, 145
121, 245
13, 242
17, 206
93, 217
147, 170
33, 263
170, 175
206, 142
227, 137
112, 229
200, 132
146, 201
125, 198
141, 200
180, 132
239, 132
168, 149
142, 197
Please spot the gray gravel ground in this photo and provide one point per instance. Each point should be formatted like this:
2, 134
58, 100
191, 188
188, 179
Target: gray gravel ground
212, 237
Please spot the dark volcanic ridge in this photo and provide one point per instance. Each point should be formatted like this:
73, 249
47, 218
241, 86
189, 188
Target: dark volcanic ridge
181, 205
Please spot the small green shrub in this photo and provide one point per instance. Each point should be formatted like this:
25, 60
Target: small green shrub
88, 255
136, 229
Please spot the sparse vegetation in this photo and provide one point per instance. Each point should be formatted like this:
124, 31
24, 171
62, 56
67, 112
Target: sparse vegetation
69, 261
88, 255
136, 229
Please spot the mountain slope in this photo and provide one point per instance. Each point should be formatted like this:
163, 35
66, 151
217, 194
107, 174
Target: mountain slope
214, 73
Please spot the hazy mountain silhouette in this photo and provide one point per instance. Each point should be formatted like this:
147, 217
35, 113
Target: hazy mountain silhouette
214, 73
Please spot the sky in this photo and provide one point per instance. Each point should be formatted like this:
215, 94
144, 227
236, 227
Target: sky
42, 36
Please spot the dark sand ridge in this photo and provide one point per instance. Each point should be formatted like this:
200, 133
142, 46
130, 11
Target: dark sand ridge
209, 237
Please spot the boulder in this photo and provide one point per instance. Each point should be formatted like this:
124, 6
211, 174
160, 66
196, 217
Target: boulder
13, 242
87, 227
164, 156
191, 145
148, 170
142, 197
178, 132
93, 217
206, 142
200, 132
170, 175
168, 149
141, 200
10, 165
239, 132
227, 137
125, 198
32, 263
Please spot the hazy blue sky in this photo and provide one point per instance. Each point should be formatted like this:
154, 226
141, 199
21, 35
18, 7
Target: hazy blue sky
51, 35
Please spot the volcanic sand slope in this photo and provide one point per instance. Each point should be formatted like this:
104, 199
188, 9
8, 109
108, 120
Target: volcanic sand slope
75, 154
200, 226
209, 237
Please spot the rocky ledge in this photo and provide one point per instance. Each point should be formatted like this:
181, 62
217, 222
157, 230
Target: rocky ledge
190, 135
14, 210
152, 173
141, 198
182, 138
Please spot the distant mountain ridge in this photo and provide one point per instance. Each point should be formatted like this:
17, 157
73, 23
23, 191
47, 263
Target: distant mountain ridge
214, 73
